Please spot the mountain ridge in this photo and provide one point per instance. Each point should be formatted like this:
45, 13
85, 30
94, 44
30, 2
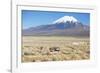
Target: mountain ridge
66, 25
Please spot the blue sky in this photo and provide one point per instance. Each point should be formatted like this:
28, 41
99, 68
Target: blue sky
31, 18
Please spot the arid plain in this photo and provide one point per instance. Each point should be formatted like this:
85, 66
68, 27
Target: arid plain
54, 48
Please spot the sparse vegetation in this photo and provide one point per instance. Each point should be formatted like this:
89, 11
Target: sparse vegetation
40, 49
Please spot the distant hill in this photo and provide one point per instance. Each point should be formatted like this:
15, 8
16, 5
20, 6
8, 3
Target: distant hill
64, 26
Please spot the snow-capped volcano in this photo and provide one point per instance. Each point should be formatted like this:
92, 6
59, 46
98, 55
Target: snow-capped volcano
64, 26
65, 19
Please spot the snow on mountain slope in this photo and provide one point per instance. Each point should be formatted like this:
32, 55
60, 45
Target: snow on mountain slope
65, 19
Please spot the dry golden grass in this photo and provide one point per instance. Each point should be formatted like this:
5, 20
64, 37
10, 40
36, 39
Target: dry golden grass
37, 49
